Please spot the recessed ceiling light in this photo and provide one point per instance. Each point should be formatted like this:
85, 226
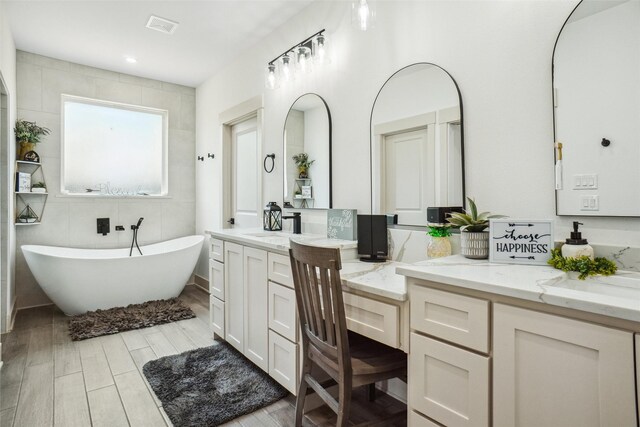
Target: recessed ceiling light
130, 59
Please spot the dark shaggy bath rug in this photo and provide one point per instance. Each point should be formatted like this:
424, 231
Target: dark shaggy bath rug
210, 386
135, 316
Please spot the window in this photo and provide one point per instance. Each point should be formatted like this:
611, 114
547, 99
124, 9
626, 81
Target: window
113, 149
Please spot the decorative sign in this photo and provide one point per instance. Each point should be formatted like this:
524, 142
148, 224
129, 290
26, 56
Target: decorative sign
520, 241
306, 192
23, 182
342, 224
32, 156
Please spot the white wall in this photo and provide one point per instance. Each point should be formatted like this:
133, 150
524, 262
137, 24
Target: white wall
8, 238
71, 221
499, 52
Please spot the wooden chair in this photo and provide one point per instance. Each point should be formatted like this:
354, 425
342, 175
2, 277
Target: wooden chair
351, 360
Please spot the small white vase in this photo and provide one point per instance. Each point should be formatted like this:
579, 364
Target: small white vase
475, 244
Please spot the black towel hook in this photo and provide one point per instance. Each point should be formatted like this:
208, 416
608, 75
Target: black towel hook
201, 158
605, 142
271, 156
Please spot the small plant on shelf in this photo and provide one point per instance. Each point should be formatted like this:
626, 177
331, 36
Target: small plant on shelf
27, 216
28, 134
39, 187
303, 164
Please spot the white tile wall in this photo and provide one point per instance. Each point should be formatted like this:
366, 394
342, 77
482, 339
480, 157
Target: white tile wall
71, 221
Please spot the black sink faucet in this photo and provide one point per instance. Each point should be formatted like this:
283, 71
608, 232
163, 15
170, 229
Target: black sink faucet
297, 222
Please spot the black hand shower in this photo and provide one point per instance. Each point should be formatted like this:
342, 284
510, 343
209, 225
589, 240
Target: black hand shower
135, 237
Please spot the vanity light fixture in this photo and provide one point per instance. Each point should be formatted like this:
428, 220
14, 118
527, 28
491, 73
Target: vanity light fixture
298, 59
363, 14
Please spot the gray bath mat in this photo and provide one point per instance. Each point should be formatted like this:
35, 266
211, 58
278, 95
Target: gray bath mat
210, 386
135, 316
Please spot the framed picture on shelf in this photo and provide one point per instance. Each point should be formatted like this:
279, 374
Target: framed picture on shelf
23, 182
306, 192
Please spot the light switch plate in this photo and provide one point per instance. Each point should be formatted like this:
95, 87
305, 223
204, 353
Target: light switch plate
585, 181
590, 203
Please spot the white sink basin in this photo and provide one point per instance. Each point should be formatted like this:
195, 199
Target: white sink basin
625, 285
270, 234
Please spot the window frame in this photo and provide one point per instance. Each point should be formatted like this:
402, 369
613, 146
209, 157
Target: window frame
164, 192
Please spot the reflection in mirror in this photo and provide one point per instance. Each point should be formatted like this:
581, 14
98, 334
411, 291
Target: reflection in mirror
307, 153
417, 144
596, 81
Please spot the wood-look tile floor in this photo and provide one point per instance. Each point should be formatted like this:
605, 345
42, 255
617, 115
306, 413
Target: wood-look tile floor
47, 379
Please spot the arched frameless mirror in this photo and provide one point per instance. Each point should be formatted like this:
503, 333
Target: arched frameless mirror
417, 158
307, 153
596, 82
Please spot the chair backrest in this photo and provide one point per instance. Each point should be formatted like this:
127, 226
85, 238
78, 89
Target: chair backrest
316, 277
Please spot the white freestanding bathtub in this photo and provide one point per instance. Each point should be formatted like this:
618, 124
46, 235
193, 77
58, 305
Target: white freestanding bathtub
81, 280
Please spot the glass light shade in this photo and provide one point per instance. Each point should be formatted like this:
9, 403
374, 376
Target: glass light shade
303, 59
271, 77
320, 49
363, 14
286, 68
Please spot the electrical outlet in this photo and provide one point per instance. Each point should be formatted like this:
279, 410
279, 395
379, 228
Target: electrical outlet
590, 203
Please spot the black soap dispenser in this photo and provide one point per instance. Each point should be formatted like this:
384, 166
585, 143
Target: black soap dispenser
576, 246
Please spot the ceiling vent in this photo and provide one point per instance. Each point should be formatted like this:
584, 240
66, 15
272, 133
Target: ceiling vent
160, 24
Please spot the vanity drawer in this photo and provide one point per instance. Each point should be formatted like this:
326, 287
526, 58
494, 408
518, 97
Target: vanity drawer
456, 318
448, 384
216, 279
216, 315
282, 311
373, 319
280, 269
216, 249
283, 361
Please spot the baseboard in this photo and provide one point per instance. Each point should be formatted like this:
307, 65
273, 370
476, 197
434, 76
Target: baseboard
12, 316
35, 306
395, 388
201, 282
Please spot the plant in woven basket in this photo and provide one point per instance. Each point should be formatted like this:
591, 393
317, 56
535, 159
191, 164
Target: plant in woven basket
474, 241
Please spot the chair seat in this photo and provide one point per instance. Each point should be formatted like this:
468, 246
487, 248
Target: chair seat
368, 357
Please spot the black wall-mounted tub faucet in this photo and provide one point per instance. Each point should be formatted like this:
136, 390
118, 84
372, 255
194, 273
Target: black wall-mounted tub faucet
103, 226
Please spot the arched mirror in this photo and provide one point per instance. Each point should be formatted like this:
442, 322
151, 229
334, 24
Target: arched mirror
307, 153
417, 156
596, 86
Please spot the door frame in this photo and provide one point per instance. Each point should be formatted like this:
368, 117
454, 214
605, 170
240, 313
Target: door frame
248, 109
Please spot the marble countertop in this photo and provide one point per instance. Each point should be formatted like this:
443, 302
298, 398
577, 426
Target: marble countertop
375, 278
278, 241
615, 296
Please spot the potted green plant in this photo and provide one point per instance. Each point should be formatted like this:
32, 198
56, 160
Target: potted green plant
39, 187
439, 244
303, 164
28, 134
474, 236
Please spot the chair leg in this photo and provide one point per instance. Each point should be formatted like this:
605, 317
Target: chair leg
344, 405
302, 390
372, 392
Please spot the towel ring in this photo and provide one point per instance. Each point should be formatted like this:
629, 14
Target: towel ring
271, 156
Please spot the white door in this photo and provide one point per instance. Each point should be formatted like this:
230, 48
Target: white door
245, 174
409, 175
556, 372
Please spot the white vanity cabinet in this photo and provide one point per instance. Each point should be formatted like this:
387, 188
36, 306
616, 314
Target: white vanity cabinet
479, 359
245, 273
554, 371
284, 345
447, 383
216, 286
